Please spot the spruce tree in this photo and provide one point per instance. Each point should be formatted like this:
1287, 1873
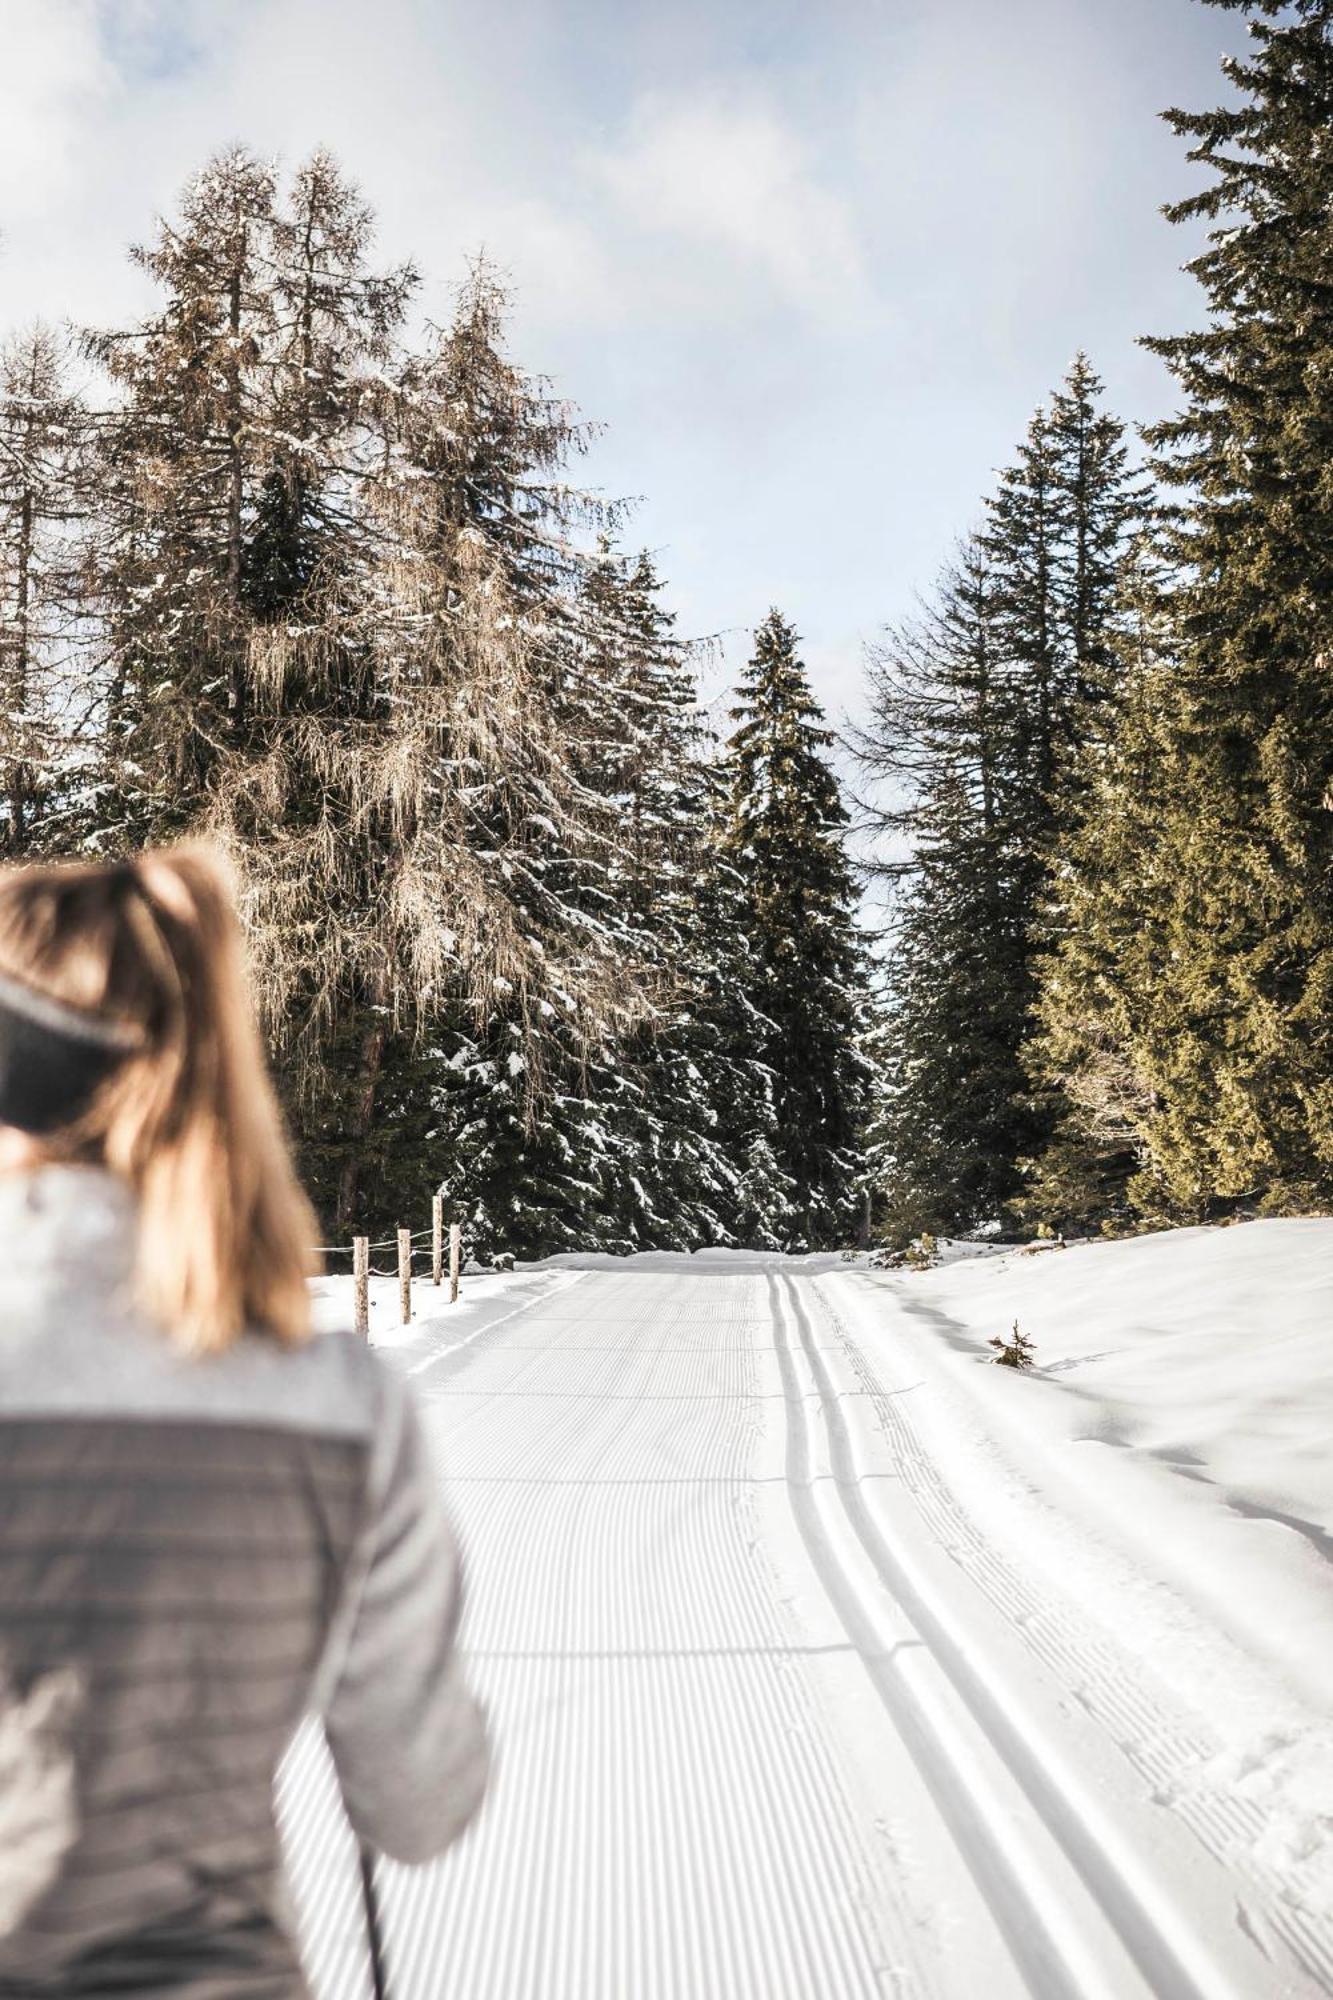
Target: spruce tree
1211, 973
786, 840
1057, 529
716, 1073
688, 1105
952, 1118
980, 711
950, 1127
656, 1133
1101, 507
1026, 518
1085, 1068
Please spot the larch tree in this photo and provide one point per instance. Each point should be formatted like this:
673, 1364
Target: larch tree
179, 476
234, 565
497, 651
335, 325
292, 796
46, 679
339, 585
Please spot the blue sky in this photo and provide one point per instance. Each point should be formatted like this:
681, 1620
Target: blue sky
811, 265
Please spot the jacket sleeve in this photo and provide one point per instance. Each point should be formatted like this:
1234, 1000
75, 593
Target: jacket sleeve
408, 1739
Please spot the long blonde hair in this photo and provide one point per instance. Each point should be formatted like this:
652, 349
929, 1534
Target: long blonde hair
189, 1119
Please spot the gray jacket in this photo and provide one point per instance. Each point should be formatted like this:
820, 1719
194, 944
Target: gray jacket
194, 1554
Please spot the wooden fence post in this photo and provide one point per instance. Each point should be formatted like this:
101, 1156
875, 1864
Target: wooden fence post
437, 1239
455, 1259
405, 1273
361, 1283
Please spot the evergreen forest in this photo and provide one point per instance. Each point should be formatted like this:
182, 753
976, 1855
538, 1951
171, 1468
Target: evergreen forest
285, 567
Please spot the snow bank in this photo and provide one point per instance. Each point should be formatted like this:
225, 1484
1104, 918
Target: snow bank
1169, 1459
437, 1328
1162, 1484
1209, 1351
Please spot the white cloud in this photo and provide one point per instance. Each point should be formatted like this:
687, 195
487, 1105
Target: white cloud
559, 262
727, 174
52, 75
812, 265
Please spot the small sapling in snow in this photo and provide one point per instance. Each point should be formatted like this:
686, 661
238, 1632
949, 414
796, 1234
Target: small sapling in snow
1016, 1352
1047, 1239
922, 1253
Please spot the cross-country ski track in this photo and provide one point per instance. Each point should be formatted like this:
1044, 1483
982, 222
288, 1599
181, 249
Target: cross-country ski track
777, 1717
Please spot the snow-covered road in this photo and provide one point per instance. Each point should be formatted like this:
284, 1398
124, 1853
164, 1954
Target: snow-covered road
777, 1716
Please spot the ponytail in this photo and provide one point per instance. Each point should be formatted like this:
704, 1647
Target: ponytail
152, 949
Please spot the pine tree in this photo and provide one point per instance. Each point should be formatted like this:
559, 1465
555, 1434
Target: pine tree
45, 657
1212, 948
786, 842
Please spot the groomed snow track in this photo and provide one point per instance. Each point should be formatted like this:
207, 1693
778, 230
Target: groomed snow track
761, 1736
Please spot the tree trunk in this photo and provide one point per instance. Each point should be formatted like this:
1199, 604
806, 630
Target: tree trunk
235, 499
19, 690
360, 1123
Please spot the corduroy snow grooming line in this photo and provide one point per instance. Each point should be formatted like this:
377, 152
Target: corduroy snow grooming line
53, 1057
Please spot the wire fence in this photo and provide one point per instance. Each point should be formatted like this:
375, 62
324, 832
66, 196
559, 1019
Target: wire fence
446, 1257
383, 1243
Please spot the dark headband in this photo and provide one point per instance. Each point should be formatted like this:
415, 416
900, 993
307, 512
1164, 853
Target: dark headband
53, 1058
